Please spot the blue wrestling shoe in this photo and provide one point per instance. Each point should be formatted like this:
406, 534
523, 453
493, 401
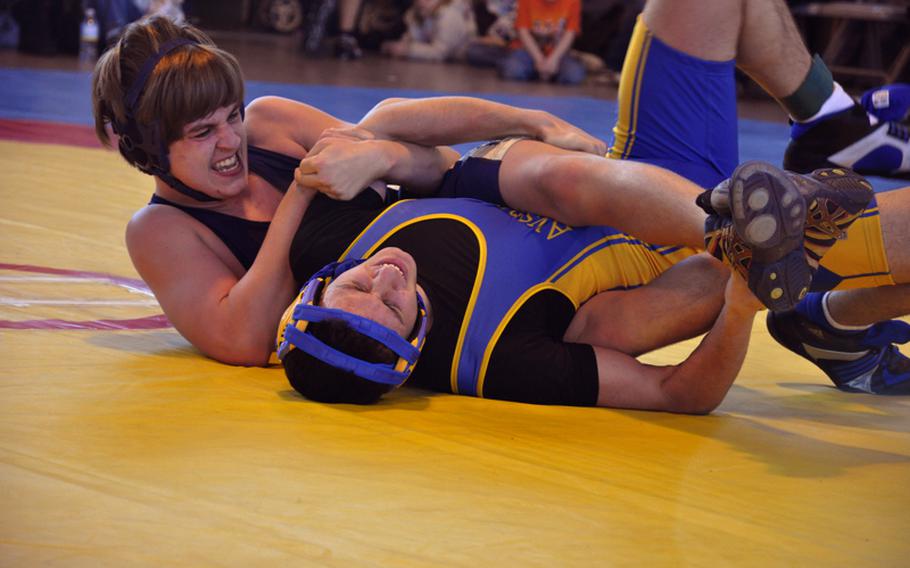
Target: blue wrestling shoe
856, 361
849, 139
890, 102
768, 227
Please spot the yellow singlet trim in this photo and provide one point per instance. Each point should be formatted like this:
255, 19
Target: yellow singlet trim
481, 268
633, 72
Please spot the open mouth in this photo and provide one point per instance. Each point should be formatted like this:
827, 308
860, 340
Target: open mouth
394, 266
228, 166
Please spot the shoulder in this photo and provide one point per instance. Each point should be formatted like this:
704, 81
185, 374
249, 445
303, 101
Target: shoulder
286, 126
156, 233
152, 218
154, 226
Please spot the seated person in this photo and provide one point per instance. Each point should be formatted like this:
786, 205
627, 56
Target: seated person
438, 30
492, 47
546, 30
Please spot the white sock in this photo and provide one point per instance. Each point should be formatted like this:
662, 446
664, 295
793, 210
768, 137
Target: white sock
838, 100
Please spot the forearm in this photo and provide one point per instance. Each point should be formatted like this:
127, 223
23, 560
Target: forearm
254, 304
530, 44
451, 120
419, 168
699, 384
563, 45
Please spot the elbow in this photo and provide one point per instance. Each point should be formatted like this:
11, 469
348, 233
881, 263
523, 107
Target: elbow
388, 102
242, 359
698, 406
694, 401
240, 352
701, 409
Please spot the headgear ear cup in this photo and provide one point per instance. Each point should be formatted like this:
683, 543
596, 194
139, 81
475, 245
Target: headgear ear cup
144, 146
132, 145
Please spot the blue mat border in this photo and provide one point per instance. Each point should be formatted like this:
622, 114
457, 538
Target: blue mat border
64, 96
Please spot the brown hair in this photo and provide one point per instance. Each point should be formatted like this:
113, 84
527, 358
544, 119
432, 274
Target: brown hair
189, 83
322, 382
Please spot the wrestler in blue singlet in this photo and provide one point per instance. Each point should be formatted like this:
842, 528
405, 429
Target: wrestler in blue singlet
679, 112
504, 286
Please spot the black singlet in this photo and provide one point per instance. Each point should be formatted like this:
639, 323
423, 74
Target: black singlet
530, 362
244, 237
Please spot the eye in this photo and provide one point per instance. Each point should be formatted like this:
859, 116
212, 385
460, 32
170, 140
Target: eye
200, 134
353, 285
234, 116
394, 309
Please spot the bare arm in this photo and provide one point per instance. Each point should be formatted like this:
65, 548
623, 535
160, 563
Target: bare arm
530, 44
342, 163
698, 384
439, 121
228, 315
287, 126
562, 46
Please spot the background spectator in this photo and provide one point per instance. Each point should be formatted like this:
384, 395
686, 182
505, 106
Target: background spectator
490, 49
546, 30
437, 30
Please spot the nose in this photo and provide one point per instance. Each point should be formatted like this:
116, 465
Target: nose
228, 137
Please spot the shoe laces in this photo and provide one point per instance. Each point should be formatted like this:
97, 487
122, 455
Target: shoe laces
898, 130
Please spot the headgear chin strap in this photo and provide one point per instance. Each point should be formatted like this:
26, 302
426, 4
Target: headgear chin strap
143, 145
292, 332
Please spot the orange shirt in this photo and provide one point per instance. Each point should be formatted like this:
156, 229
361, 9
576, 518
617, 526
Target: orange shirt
547, 20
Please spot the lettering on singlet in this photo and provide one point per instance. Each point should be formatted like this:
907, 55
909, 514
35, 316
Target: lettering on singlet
540, 224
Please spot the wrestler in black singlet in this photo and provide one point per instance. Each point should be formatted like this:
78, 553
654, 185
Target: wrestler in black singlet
341, 220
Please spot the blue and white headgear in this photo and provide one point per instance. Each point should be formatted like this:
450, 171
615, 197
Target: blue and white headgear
293, 334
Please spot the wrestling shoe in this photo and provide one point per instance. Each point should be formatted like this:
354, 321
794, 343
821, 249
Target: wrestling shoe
835, 198
855, 361
764, 240
890, 102
849, 139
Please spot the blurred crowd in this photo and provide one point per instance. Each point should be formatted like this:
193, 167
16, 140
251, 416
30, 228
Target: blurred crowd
562, 41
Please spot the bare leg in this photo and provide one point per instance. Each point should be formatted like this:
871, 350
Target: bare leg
681, 303
347, 15
759, 34
651, 203
707, 29
894, 207
771, 50
867, 306
870, 305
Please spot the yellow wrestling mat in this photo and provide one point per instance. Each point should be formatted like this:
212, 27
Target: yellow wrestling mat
125, 447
